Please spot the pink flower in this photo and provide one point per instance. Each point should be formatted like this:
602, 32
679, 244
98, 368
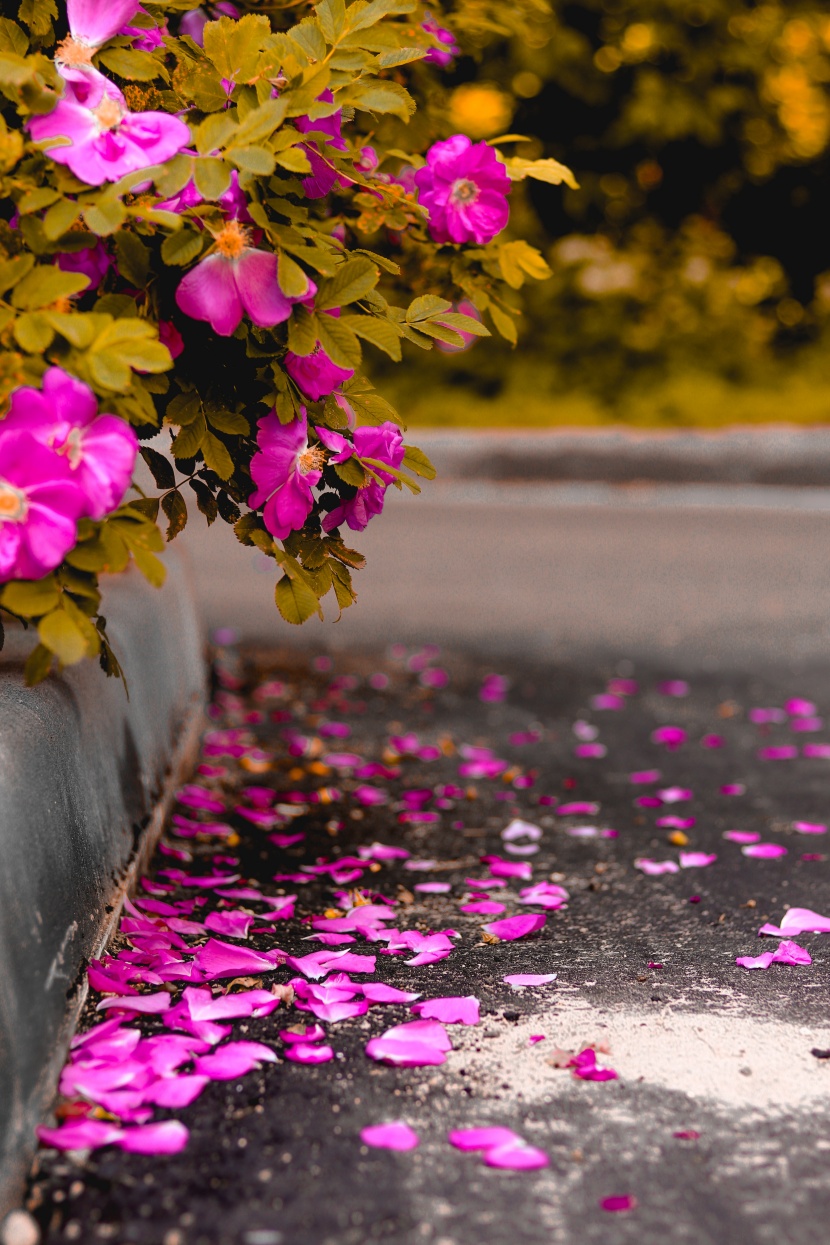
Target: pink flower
39, 506
236, 278
93, 22
99, 450
442, 57
285, 469
463, 187
382, 444
170, 337
323, 175
92, 261
145, 38
107, 140
315, 373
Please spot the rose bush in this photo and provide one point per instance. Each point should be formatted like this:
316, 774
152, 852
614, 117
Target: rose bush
208, 214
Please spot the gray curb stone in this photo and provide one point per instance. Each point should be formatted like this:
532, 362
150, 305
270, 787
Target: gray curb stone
777, 454
86, 777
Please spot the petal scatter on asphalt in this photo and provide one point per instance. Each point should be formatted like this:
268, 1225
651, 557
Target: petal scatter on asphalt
396, 909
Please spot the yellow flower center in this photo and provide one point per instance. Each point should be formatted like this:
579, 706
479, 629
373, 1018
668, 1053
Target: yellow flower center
71, 52
311, 459
232, 240
73, 448
14, 505
108, 114
464, 191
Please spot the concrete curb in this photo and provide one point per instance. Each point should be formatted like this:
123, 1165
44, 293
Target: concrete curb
86, 778
771, 454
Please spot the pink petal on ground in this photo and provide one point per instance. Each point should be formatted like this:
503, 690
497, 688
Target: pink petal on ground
513, 927
394, 1136
578, 808
518, 829
588, 751
733, 788
810, 827
620, 1201
468, 1139
501, 868
339, 1009
671, 736
147, 1004
536, 1037
675, 823
378, 992
697, 860
655, 867
175, 1092
803, 920
517, 981
307, 1052
741, 836
674, 795
782, 752
645, 776
584, 1066
764, 851
79, 1135
799, 708
607, 700
233, 1060
450, 1011
166, 1137
713, 741
433, 888
821, 751
380, 851
415, 1044
308, 1034
755, 961
515, 1156
420, 866
686, 1134
222, 959
229, 924
482, 907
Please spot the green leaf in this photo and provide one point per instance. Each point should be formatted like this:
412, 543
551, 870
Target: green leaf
416, 461
338, 341
160, 467
183, 408
342, 584
198, 83
63, 637
106, 216
261, 122
351, 472
230, 422
148, 506
174, 506
126, 344
233, 46
331, 14
132, 64
153, 570
295, 600
246, 528
425, 307
31, 597
60, 217
38, 15
133, 258
46, 284
379, 96
33, 332
14, 270
403, 56
214, 132
38, 665
518, 259
550, 171
12, 37
181, 247
189, 440
504, 324
353, 280
205, 500
216, 456
212, 177
257, 160
360, 16
36, 200
467, 324
290, 277
294, 160
381, 333
302, 332
76, 327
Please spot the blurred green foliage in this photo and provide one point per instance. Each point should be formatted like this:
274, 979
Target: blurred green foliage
696, 249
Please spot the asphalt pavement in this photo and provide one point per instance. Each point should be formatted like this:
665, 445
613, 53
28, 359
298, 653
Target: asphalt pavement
716, 1128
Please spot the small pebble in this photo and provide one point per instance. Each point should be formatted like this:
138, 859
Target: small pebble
19, 1228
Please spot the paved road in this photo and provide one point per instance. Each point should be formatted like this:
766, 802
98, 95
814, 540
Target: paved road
712, 575
646, 967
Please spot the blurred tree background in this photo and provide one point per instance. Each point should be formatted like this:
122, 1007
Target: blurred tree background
691, 268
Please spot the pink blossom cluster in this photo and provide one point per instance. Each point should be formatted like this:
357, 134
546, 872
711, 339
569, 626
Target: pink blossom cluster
60, 461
